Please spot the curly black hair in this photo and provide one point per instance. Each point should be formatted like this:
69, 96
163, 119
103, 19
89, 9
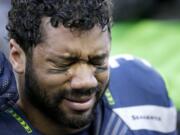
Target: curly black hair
25, 17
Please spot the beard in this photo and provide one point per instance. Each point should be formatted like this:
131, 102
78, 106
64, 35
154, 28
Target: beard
50, 105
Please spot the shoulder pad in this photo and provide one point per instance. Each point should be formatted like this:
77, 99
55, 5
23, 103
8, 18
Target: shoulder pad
138, 95
8, 90
135, 79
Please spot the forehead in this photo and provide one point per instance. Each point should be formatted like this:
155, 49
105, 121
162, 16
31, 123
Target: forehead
64, 40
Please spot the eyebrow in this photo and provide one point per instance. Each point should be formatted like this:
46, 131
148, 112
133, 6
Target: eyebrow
61, 57
100, 56
55, 58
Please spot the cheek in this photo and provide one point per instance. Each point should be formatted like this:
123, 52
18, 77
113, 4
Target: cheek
51, 85
103, 78
52, 80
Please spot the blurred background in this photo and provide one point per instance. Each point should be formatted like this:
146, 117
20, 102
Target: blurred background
4, 7
149, 29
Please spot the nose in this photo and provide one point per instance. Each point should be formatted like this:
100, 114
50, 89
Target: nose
83, 78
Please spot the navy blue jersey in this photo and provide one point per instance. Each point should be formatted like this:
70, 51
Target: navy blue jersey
8, 90
136, 103
138, 95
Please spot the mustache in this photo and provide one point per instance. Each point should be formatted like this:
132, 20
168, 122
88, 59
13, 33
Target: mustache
81, 92
75, 93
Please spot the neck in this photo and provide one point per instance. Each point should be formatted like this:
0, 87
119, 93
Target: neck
41, 122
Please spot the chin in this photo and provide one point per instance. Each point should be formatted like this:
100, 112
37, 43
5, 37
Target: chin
75, 119
78, 120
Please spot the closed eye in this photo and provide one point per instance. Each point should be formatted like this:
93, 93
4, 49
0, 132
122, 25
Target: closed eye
58, 69
98, 60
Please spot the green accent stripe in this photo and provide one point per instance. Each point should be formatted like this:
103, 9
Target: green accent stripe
109, 97
19, 120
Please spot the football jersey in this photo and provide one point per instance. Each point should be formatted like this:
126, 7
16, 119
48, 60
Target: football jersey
8, 90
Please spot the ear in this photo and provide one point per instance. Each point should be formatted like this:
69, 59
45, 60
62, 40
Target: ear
17, 57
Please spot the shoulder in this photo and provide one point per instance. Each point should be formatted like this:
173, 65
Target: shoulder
8, 90
137, 94
13, 122
5, 122
134, 78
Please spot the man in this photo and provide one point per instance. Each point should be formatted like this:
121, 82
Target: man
60, 51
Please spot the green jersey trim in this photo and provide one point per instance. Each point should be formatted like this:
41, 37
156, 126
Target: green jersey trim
19, 120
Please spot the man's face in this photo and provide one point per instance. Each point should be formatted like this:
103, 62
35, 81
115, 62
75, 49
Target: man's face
68, 73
